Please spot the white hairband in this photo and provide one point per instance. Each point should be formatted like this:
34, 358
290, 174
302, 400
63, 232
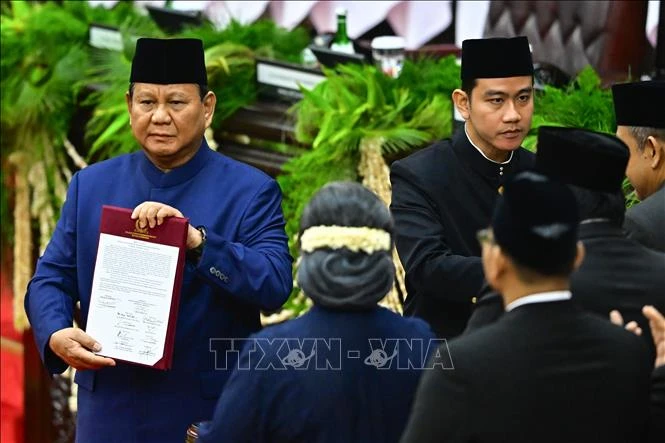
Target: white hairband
356, 239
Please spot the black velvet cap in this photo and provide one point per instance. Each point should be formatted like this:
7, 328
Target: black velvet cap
583, 158
535, 222
169, 61
496, 58
640, 104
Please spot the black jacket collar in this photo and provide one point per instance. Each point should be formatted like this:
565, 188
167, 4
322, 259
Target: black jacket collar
600, 229
491, 171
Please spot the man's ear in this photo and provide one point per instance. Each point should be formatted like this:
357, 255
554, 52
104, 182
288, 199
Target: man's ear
209, 102
494, 265
579, 256
654, 151
462, 102
128, 99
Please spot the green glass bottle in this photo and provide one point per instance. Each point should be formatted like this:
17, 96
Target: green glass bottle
342, 43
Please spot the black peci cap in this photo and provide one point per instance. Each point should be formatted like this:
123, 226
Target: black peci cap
496, 58
640, 104
169, 61
582, 158
535, 222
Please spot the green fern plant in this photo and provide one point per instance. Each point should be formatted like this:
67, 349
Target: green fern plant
231, 54
43, 52
45, 57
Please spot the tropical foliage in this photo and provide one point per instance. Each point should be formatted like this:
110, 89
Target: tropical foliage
45, 53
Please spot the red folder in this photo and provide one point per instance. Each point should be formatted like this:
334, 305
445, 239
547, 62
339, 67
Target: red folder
172, 232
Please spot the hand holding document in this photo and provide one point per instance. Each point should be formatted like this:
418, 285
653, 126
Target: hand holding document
136, 288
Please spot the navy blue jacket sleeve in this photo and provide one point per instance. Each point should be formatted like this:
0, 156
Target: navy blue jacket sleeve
238, 415
257, 268
53, 292
431, 266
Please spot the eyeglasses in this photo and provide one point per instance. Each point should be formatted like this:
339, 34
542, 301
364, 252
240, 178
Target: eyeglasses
485, 236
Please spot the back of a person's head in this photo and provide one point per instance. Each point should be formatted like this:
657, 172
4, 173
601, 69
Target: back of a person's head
596, 206
593, 164
346, 243
535, 223
346, 203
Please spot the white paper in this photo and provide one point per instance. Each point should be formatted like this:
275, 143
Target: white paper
131, 297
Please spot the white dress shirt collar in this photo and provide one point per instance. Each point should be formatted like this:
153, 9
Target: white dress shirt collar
541, 297
483, 154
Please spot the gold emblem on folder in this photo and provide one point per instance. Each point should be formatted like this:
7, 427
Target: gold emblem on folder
139, 232
138, 229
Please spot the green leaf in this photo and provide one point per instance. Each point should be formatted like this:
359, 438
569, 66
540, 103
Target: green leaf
120, 122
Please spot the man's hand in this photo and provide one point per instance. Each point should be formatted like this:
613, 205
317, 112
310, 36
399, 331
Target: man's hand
153, 214
657, 325
617, 319
74, 347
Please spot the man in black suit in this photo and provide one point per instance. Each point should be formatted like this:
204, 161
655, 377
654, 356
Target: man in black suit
443, 194
640, 115
617, 272
546, 371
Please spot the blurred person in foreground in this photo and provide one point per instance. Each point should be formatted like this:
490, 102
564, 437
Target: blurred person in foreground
546, 371
346, 370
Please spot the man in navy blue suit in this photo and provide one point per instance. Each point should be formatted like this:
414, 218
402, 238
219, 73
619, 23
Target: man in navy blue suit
237, 258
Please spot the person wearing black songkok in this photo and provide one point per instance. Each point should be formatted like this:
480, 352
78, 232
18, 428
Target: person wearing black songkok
443, 194
349, 369
640, 116
546, 371
237, 260
617, 272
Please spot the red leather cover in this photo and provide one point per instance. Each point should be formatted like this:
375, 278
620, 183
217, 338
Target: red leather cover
172, 232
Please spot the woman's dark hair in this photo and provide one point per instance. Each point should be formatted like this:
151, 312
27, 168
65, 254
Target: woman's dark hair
341, 278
